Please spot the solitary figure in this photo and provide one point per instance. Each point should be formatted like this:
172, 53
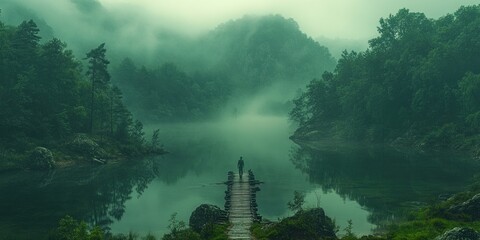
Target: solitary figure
240, 167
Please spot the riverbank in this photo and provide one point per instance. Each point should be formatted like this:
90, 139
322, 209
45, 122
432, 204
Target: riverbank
422, 211
458, 217
461, 211
445, 138
454, 218
78, 150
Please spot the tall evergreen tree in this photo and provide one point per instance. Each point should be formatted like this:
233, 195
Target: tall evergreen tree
24, 43
98, 74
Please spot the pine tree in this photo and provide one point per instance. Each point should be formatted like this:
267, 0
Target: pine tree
98, 74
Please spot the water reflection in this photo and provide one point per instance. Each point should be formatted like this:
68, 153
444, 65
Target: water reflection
383, 180
206, 152
33, 202
368, 185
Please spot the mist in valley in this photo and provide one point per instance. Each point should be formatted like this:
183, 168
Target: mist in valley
198, 40
121, 117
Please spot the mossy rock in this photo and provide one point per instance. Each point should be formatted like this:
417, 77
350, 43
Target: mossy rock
85, 146
41, 158
206, 214
459, 233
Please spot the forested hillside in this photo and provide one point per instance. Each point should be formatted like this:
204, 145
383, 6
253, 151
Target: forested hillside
238, 59
47, 96
418, 83
256, 51
169, 93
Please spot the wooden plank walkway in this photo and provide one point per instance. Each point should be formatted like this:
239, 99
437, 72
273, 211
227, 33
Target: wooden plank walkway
241, 204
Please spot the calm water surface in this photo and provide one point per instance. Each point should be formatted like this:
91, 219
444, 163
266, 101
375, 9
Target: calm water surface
369, 185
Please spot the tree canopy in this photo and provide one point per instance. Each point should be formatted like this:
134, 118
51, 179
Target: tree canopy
45, 97
419, 77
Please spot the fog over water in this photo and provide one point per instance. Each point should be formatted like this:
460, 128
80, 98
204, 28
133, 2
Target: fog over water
349, 182
370, 185
217, 79
209, 150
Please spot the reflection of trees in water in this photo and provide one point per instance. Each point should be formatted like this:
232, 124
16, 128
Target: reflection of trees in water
97, 194
110, 188
113, 187
194, 155
382, 180
37, 200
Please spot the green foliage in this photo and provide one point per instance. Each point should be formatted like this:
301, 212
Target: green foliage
214, 232
137, 133
469, 89
98, 74
175, 225
296, 205
418, 76
149, 237
71, 229
349, 230
305, 225
130, 236
180, 231
45, 98
426, 229
473, 122
155, 145
168, 93
443, 136
435, 219
182, 234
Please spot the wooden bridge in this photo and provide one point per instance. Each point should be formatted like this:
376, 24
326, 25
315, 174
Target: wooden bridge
241, 204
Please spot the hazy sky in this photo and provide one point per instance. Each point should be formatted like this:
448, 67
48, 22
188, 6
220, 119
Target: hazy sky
352, 19
142, 25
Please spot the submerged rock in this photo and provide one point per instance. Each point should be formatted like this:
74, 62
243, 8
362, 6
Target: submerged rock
206, 214
41, 158
459, 233
470, 207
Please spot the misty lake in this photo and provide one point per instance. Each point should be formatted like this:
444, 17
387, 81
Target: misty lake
369, 185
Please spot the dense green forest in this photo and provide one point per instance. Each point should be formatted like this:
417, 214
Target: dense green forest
237, 60
169, 93
418, 83
47, 96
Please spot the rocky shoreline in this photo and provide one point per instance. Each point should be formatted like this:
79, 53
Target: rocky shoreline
409, 140
80, 149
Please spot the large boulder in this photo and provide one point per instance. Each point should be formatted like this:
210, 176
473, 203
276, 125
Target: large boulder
470, 207
206, 214
41, 158
86, 147
304, 225
459, 233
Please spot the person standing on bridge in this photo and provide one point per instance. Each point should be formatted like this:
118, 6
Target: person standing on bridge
240, 167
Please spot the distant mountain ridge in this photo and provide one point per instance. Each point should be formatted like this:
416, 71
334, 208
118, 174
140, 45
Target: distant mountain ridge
262, 49
252, 50
237, 61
